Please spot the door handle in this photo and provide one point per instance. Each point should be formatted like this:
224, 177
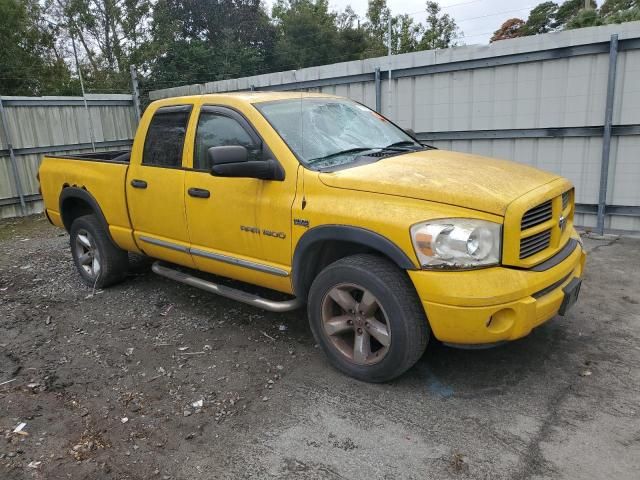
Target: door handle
199, 192
135, 183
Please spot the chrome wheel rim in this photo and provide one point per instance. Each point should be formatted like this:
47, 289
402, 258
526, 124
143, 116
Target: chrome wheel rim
356, 324
87, 253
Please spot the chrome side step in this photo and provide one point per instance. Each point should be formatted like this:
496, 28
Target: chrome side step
232, 293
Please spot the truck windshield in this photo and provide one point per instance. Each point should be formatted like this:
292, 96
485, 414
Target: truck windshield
329, 132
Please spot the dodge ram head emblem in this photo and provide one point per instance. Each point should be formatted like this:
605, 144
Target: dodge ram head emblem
562, 223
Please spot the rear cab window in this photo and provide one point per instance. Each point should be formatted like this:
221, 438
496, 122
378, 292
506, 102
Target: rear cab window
165, 137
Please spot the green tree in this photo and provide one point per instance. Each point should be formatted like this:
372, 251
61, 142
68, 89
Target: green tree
568, 10
588, 17
193, 41
440, 30
109, 35
541, 19
406, 34
353, 39
377, 27
620, 11
30, 64
307, 34
549, 16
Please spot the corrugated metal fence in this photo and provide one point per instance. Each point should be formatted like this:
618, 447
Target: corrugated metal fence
33, 126
538, 100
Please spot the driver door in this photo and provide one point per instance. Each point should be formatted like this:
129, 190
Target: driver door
232, 221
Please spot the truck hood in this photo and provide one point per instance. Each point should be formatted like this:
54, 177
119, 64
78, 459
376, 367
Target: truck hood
459, 179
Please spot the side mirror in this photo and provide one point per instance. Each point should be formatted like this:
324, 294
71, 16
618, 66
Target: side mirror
227, 154
233, 161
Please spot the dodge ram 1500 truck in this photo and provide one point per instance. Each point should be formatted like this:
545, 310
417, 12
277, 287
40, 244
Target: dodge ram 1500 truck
387, 241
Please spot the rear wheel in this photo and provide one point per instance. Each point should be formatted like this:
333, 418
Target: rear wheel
365, 314
99, 262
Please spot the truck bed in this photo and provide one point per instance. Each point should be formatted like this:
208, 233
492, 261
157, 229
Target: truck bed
102, 175
117, 156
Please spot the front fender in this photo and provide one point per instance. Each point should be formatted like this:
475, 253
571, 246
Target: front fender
344, 233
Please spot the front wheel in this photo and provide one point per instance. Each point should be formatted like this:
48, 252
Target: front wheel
366, 315
99, 262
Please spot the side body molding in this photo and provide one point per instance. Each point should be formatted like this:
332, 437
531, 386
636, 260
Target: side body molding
344, 233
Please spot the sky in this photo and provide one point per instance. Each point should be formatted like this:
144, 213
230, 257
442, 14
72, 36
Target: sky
477, 19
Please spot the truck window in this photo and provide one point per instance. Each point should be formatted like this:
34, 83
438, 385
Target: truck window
165, 137
215, 130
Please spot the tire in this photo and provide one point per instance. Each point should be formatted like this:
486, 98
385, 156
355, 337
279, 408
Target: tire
397, 330
99, 262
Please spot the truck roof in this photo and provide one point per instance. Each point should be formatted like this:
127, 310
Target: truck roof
247, 96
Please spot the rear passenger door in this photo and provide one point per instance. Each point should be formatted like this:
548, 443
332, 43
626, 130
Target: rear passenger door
155, 187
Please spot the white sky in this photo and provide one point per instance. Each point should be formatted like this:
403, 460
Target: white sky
477, 19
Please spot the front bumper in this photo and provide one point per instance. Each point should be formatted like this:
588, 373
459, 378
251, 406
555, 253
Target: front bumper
495, 304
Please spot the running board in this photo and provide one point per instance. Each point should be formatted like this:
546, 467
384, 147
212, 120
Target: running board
232, 293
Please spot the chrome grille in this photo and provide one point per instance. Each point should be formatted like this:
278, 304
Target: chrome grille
535, 243
536, 215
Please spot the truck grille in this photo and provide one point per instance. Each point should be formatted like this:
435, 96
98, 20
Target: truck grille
537, 227
537, 215
565, 199
535, 243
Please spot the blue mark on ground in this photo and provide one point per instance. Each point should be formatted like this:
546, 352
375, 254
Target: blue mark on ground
436, 386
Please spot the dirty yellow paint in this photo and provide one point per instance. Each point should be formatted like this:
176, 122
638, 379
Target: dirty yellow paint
386, 197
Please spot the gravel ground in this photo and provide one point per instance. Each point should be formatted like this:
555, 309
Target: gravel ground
151, 379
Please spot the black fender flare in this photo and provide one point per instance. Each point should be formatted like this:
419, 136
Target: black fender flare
345, 233
84, 195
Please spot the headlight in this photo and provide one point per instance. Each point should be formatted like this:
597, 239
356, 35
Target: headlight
452, 243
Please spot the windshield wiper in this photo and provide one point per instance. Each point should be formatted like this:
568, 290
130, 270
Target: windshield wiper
337, 154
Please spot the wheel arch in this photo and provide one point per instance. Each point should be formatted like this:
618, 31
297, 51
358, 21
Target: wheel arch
76, 202
323, 245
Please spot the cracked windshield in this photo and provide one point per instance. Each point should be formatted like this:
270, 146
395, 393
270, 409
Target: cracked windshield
325, 132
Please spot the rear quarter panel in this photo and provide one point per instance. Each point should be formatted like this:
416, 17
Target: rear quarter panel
103, 180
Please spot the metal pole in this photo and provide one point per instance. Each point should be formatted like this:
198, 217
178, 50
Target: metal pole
135, 91
389, 58
378, 91
606, 135
12, 156
86, 107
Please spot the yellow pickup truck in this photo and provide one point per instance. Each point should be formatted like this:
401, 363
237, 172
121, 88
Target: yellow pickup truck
386, 240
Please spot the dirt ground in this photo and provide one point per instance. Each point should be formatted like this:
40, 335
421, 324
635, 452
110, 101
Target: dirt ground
151, 379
